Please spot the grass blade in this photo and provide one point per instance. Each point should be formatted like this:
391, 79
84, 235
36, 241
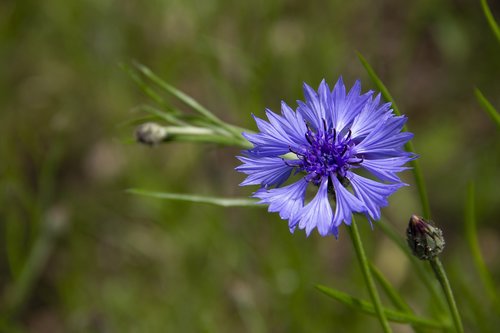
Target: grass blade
144, 87
417, 171
161, 114
186, 99
491, 20
367, 307
488, 107
217, 201
392, 293
471, 234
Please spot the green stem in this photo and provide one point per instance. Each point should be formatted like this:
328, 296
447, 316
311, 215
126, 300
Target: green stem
420, 182
438, 269
365, 268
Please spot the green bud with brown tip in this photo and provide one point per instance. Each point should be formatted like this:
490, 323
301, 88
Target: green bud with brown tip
425, 240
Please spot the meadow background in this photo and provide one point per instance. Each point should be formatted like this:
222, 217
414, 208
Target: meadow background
122, 263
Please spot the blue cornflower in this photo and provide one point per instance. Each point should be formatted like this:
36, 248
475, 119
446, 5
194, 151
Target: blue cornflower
328, 137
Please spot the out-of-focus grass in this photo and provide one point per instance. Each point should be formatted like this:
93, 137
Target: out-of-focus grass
126, 263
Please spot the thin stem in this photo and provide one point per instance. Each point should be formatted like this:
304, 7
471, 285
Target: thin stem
365, 268
420, 182
438, 269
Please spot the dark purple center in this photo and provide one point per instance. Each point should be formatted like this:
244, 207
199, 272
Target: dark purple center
329, 153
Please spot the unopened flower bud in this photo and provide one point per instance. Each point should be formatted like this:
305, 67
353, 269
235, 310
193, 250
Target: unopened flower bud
425, 240
150, 133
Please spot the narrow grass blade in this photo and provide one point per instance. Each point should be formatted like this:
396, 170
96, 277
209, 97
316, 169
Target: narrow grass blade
491, 20
15, 230
224, 202
417, 171
168, 117
488, 107
367, 307
186, 99
392, 293
44, 245
389, 290
144, 87
471, 235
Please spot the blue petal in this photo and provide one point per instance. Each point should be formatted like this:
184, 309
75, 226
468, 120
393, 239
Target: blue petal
385, 138
263, 147
386, 168
346, 204
273, 139
370, 116
287, 200
292, 123
265, 171
312, 110
318, 212
267, 128
326, 100
347, 107
373, 194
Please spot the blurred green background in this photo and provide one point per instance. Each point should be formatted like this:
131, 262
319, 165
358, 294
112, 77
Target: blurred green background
122, 263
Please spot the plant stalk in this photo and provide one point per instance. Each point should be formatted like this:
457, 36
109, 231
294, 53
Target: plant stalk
440, 273
370, 283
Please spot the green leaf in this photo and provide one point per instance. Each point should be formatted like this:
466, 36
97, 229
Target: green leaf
471, 235
491, 20
188, 100
144, 87
389, 290
396, 299
378, 83
224, 202
45, 243
367, 307
168, 117
488, 107
417, 171
15, 242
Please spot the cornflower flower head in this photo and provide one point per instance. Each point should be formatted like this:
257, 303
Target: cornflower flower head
325, 140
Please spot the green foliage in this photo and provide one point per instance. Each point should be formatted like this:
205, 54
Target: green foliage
223, 202
491, 20
417, 171
495, 116
184, 267
367, 307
